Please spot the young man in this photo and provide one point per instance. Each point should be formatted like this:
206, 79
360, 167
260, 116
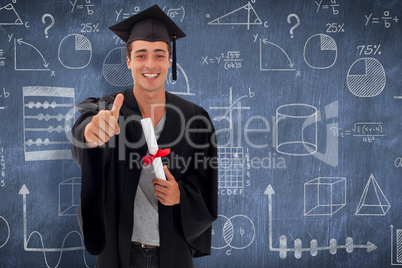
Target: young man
128, 217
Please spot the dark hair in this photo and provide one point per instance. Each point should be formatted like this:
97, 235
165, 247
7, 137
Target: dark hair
129, 48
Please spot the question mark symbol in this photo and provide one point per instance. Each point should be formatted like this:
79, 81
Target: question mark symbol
51, 24
295, 26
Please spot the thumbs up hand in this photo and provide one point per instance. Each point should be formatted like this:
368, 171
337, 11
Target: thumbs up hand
104, 125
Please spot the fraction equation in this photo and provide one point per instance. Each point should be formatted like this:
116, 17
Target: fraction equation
367, 131
88, 6
387, 19
329, 5
232, 60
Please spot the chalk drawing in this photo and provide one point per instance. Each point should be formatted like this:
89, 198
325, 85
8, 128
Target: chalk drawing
69, 196
299, 120
238, 232
181, 82
39, 64
366, 131
75, 51
50, 25
289, 20
46, 136
314, 248
231, 158
285, 64
324, 196
333, 6
8, 11
373, 201
366, 78
4, 231
115, 69
245, 15
233, 105
387, 19
88, 5
398, 256
24, 192
230, 167
325, 56
175, 13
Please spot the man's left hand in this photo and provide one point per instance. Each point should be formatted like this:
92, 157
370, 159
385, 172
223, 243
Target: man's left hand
167, 191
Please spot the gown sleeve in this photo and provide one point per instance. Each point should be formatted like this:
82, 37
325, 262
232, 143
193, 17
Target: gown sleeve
199, 192
91, 211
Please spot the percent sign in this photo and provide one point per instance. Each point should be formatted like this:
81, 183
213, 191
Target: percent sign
369, 49
95, 27
340, 27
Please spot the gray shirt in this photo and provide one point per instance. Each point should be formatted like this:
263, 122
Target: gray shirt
146, 217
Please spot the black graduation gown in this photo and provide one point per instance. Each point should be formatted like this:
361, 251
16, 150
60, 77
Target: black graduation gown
110, 179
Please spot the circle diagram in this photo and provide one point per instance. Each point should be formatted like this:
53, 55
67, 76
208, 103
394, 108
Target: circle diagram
366, 78
4, 232
320, 51
115, 68
75, 51
237, 232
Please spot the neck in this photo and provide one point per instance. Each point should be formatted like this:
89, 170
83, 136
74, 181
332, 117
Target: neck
151, 104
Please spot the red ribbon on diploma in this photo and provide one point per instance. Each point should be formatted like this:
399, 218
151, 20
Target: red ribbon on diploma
148, 159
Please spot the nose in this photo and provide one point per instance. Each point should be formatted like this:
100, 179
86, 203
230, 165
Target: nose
150, 63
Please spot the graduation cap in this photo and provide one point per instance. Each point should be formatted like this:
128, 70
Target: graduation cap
151, 25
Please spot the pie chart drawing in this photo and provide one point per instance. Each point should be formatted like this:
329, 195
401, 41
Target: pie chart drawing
320, 51
115, 68
75, 51
366, 78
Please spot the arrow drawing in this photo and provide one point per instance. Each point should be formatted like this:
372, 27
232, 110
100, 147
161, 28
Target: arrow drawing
266, 42
20, 42
24, 192
298, 249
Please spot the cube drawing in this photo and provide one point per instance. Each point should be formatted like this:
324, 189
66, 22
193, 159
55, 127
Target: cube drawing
324, 196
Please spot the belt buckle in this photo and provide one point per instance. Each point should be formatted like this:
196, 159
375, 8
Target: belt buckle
143, 245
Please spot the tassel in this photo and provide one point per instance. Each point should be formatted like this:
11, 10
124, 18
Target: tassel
174, 70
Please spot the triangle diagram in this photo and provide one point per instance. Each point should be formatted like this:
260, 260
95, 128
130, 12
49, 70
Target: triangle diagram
8, 16
373, 201
244, 15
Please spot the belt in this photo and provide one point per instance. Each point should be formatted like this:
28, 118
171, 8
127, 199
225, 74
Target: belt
143, 245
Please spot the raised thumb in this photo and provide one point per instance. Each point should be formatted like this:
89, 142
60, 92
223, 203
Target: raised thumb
118, 102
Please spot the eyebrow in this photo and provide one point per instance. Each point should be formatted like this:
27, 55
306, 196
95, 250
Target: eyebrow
145, 50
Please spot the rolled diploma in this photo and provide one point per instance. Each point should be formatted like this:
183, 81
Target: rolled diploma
149, 134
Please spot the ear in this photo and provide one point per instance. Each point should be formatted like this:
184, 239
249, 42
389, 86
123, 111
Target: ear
128, 63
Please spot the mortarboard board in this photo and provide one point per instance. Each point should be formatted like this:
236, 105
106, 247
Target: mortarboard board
151, 25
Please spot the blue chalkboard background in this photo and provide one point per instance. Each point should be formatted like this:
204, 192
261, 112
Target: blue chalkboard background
305, 95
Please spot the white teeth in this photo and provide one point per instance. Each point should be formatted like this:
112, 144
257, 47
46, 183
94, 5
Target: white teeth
151, 75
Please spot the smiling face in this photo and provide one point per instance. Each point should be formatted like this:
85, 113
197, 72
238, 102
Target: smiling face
149, 63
